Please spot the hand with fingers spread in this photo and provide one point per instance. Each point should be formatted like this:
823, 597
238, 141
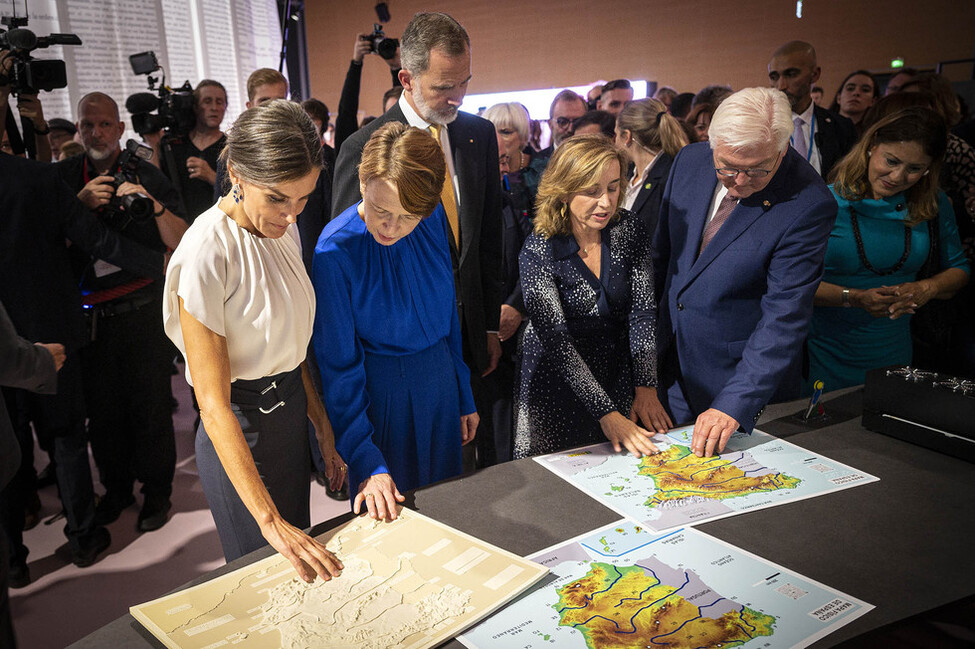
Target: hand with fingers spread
712, 430
624, 433
309, 557
380, 495
648, 409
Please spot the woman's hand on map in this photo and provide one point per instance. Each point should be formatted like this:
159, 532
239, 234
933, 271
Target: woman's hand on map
649, 410
624, 433
712, 430
308, 556
380, 495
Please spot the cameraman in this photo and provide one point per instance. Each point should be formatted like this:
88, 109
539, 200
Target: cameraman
195, 154
347, 121
128, 363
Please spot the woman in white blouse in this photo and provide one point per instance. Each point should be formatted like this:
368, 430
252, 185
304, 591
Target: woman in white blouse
240, 307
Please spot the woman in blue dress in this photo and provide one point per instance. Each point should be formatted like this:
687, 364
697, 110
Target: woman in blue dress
387, 335
889, 207
589, 353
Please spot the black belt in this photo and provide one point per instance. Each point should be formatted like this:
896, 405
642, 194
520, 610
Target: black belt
266, 394
121, 305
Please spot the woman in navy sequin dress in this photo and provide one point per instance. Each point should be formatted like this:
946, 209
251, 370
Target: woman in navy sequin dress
589, 353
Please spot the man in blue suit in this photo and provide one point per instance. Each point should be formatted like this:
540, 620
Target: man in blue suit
738, 256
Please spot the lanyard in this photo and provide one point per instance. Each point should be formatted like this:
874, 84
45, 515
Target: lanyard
812, 132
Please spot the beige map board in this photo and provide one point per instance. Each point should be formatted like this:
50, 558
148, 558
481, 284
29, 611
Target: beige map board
409, 583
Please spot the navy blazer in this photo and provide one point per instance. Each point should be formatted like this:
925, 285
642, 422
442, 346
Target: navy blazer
474, 146
737, 315
647, 203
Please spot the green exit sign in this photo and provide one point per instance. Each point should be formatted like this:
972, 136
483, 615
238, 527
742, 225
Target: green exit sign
897, 63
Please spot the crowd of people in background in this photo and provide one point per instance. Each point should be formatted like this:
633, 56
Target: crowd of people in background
413, 282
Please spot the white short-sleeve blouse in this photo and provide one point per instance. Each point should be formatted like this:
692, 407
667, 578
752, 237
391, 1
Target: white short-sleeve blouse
252, 290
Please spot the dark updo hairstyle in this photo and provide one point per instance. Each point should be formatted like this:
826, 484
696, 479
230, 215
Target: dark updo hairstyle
917, 124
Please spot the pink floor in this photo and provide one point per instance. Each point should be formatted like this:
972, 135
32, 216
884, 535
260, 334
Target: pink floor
65, 603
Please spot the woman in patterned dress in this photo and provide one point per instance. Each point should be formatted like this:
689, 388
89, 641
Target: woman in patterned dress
589, 358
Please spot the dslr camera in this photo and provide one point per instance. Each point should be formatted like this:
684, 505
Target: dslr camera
27, 74
173, 107
379, 44
137, 207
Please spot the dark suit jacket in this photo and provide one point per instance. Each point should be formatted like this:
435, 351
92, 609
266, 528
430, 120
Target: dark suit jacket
516, 230
22, 365
474, 145
38, 286
647, 203
737, 315
835, 136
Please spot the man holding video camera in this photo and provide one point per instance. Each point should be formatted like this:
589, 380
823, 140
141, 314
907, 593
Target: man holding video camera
128, 363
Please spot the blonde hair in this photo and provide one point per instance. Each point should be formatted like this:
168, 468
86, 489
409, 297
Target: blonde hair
263, 77
409, 158
510, 115
652, 126
575, 166
850, 176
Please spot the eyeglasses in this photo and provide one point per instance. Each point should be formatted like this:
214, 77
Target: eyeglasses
563, 121
731, 172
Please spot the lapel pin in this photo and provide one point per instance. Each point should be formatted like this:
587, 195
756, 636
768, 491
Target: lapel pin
471, 141
766, 204
648, 186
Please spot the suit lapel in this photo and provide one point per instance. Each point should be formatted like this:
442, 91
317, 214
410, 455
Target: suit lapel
465, 168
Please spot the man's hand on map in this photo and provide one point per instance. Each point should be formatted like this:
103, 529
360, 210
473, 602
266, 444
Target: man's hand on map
380, 495
712, 430
308, 556
649, 410
624, 433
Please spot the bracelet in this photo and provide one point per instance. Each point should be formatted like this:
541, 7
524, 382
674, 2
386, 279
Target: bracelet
160, 212
846, 298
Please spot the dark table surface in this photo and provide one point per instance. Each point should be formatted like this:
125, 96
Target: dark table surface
900, 544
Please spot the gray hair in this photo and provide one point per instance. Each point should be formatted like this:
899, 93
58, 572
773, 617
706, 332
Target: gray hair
753, 117
273, 143
510, 115
428, 31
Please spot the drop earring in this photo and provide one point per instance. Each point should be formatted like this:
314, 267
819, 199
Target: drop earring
237, 193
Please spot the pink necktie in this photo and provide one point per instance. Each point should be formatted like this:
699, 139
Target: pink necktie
724, 211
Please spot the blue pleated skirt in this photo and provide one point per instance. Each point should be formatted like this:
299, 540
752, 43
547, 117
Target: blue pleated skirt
414, 408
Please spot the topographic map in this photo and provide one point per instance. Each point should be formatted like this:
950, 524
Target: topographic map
676, 488
622, 586
412, 583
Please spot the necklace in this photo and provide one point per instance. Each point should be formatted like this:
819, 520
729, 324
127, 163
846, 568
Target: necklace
585, 251
861, 253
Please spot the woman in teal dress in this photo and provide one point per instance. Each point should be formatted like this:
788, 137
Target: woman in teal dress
387, 336
889, 206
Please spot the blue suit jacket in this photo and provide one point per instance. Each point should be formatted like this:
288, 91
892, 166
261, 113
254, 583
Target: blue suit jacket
737, 315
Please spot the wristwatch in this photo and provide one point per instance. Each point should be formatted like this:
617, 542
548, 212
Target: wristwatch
846, 297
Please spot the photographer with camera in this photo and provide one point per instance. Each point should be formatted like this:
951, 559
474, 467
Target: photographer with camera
347, 121
128, 363
41, 217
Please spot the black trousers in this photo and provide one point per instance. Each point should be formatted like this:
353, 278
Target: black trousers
7, 638
127, 372
59, 421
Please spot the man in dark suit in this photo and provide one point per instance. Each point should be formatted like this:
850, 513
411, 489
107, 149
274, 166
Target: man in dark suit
738, 256
435, 52
819, 136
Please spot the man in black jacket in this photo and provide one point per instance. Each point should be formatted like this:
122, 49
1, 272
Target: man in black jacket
819, 136
128, 361
436, 58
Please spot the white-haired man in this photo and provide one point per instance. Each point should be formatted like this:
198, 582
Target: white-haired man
738, 256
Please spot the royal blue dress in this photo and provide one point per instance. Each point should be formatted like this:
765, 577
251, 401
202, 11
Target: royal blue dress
388, 344
589, 341
844, 343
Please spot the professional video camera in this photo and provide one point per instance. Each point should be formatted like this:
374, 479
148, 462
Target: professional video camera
137, 207
384, 47
174, 107
29, 75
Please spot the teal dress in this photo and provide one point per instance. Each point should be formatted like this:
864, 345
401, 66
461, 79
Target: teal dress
844, 343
